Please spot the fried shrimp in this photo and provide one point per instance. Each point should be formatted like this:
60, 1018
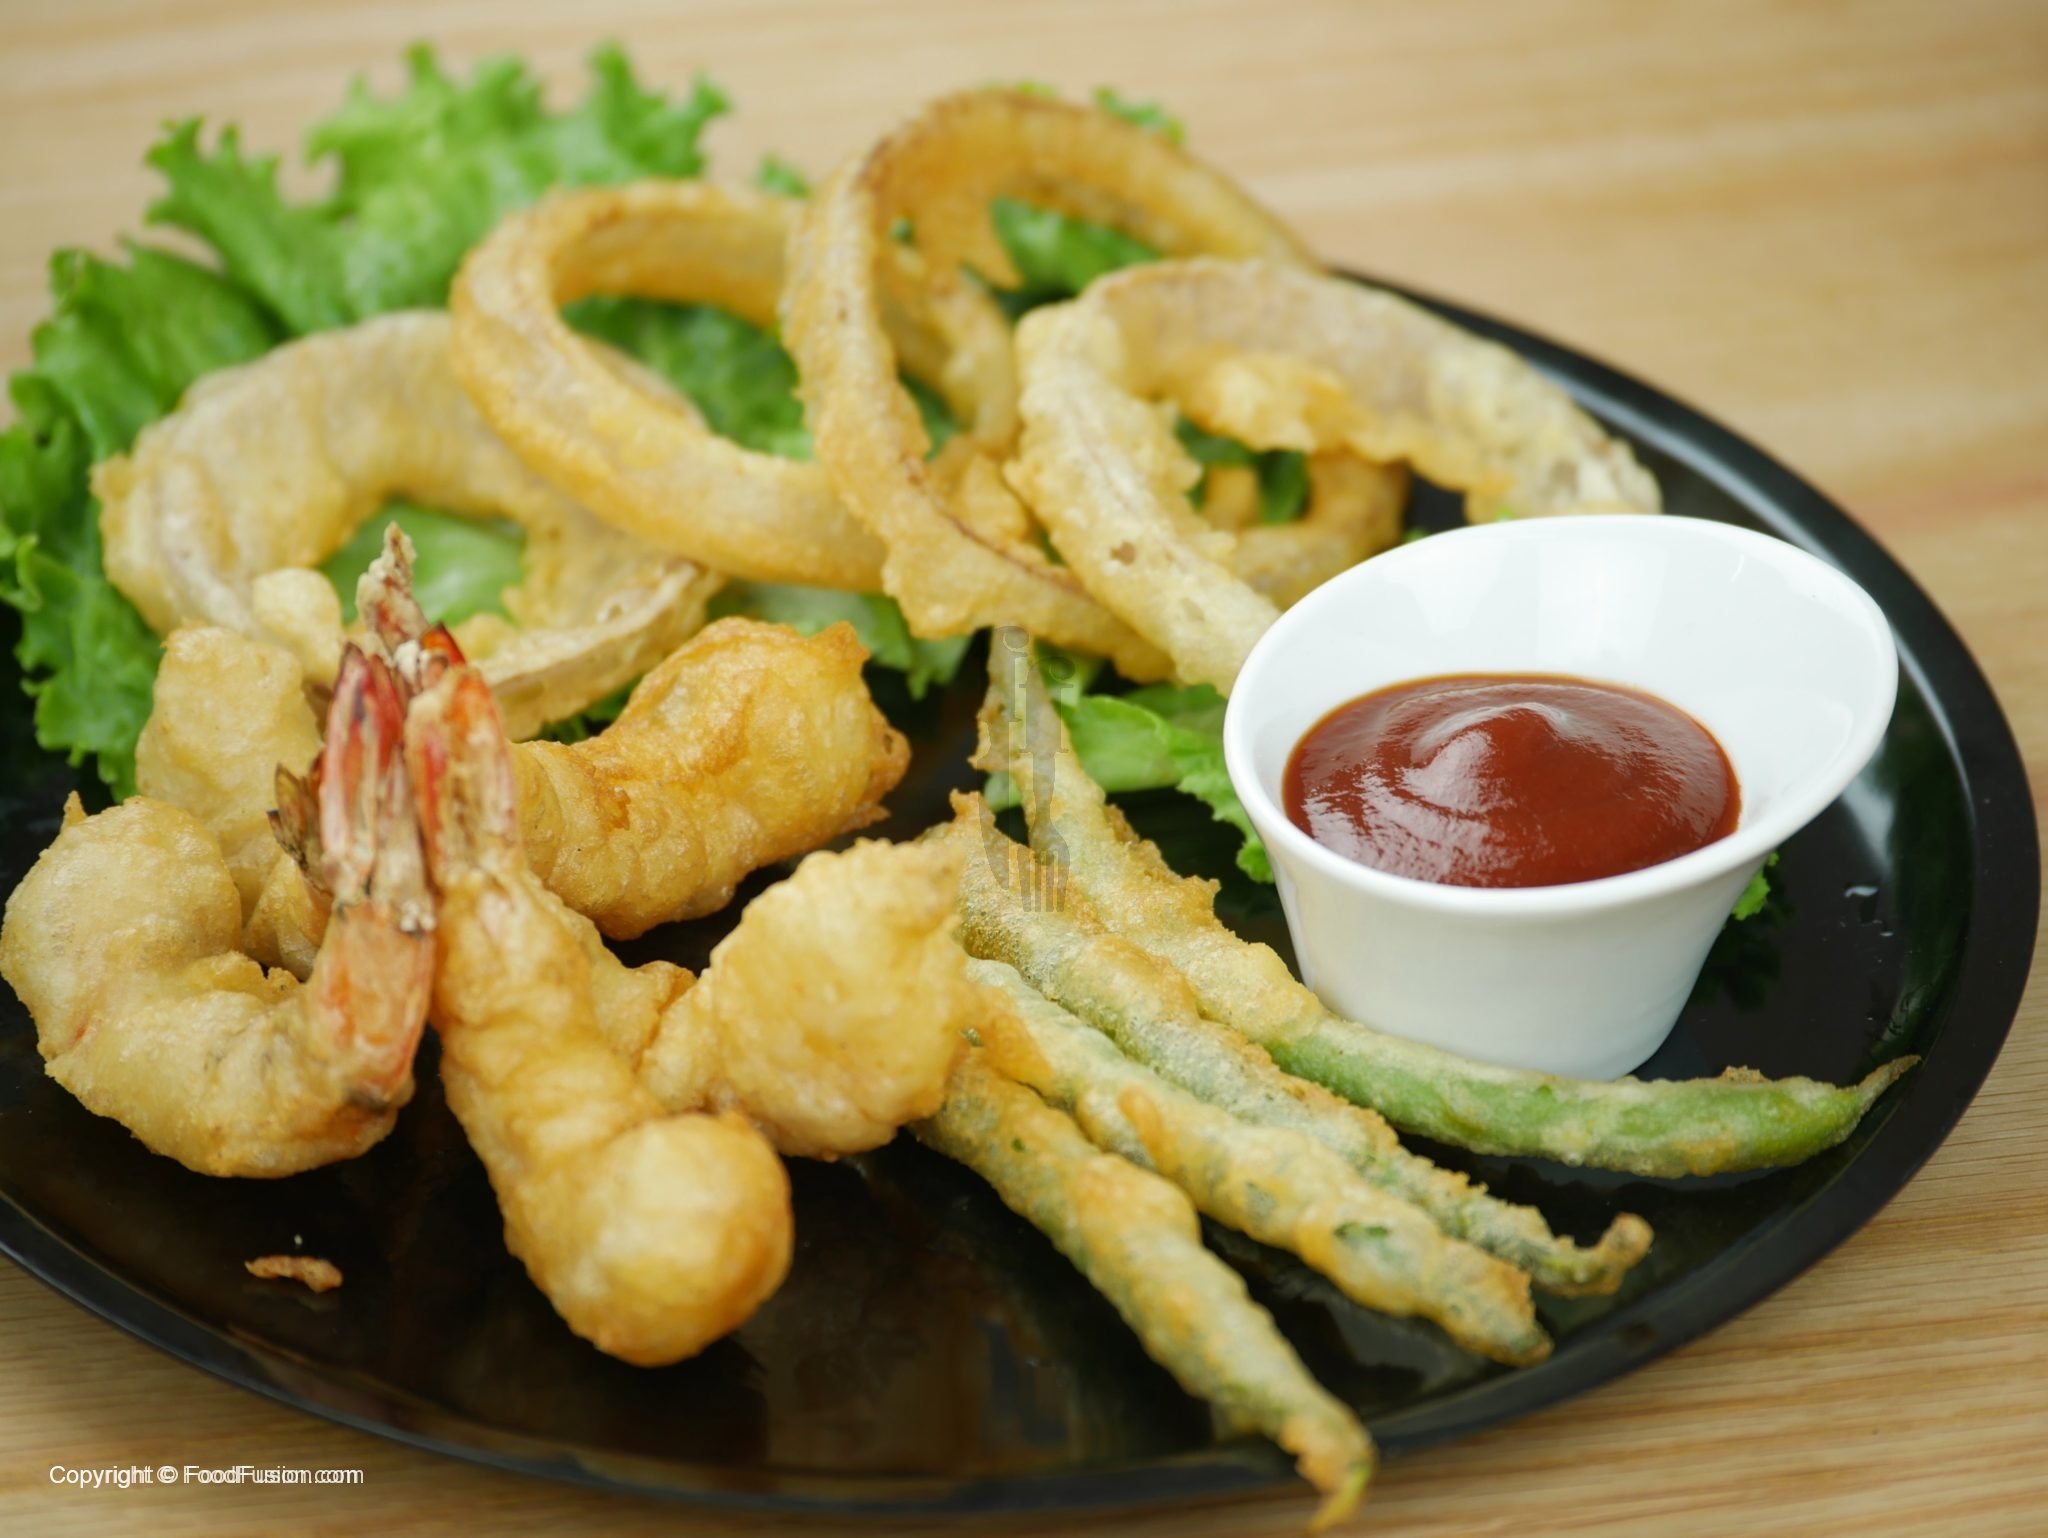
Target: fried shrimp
1674, 1127
229, 712
752, 744
220, 511
652, 1233
620, 1111
1135, 1238
1279, 358
125, 943
832, 1014
937, 173
1275, 1184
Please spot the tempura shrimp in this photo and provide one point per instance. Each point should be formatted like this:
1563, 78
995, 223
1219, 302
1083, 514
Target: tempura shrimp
125, 943
229, 712
751, 744
644, 1203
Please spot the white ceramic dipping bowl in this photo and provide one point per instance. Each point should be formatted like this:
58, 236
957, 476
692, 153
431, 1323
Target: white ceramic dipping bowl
1786, 661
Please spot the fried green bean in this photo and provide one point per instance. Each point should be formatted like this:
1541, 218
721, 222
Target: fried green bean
1137, 1241
1013, 910
1657, 1127
1278, 1186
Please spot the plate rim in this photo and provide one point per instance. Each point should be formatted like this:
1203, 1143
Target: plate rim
1917, 1115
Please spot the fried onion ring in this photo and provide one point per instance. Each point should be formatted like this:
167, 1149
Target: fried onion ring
939, 171
1354, 511
625, 452
221, 510
1281, 359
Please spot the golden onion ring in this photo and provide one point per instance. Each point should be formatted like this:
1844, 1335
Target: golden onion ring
1354, 511
221, 510
628, 453
1281, 359
939, 172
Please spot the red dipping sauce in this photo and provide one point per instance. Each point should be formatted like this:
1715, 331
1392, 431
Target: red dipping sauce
1510, 780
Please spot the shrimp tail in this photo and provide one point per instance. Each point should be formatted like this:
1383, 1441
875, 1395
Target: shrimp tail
368, 838
384, 595
418, 651
461, 769
295, 822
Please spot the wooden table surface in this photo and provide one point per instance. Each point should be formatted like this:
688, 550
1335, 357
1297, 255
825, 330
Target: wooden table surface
1825, 224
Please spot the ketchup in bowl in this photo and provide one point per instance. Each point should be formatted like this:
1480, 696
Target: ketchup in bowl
1510, 780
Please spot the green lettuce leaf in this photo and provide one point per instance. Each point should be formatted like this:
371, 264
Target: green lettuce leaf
419, 178
1757, 893
465, 564
779, 176
1282, 473
1146, 114
1157, 738
1057, 256
121, 344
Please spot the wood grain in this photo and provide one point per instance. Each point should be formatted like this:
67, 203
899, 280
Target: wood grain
1826, 224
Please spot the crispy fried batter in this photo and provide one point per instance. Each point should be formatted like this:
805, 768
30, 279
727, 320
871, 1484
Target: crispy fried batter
220, 510
315, 1274
125, 943
938, 173
1281, 359
1274, 1183
624, 451
833, 1013
652, 1233
1137, 1241
750, 745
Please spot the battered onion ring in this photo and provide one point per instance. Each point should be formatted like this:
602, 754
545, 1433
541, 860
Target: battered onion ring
1354, 511
939, 172
221, 510
625, 452
1281, 359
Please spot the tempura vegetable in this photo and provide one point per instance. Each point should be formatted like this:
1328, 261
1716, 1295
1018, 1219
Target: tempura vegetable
630, 453
1280, 358
937, 173
219, 512
1137, 1241
834, 1012
1738, 1121
124, 941
1274, 1184
1016, 910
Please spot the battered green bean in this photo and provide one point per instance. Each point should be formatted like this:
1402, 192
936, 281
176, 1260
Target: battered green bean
1137, 1241
1279, 1187
1013, 910
1738, 1121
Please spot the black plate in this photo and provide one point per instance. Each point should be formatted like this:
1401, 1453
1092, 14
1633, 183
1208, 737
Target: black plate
932, 1352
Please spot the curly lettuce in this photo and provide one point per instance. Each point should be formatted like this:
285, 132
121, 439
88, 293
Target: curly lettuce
418, 178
